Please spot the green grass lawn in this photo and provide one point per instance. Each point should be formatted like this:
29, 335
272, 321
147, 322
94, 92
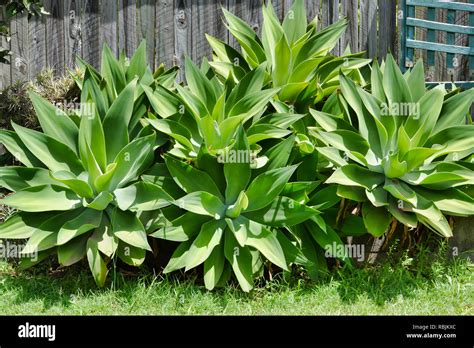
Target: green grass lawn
403, 289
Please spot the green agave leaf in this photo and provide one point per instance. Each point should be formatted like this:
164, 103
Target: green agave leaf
174, 130
295, 21
101, 202
267, 186
77, 185
116, 121
259, 132
376, 220
416, 81
353, 193
191, 179
179, 257
164, 102
182, 228
265, 241
240, 260
113, 73
132, 160
18, 178
283, 211
454, 110
15, 146
86, 221
45, 235
92, 133
200, 85
142, 196
451, 201
202, 203
282, 65
353, 226
72, 252
43, 198
54, 122
253, 103
97, 265
214, 267
22, 225
279, 154
226, 53
354, 175
237, 173
395, 86
128, 228
328, 239
130, 254
138, 63
205, 242
54, 154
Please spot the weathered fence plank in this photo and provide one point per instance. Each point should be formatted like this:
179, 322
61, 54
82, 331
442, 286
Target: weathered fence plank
176, 28
206, 19
108, 25
19, 48
55, 35
72, 31
146, 28
127, 27
164, 36
183, 33
90, 39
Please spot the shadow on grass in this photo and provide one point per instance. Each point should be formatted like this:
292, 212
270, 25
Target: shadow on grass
380, 284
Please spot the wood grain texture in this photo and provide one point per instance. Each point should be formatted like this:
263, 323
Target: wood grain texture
368, 27
19, 48
55, 48
351, 36
90, 32
108, 25
183, 33
146, 28
5, 71
206, 19
72, 32
165, 33
127, 27
387, 20
37, 45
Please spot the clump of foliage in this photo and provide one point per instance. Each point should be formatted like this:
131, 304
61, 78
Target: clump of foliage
265, 159
16, 106
404, 163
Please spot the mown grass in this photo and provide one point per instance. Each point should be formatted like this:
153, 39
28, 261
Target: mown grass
406, 287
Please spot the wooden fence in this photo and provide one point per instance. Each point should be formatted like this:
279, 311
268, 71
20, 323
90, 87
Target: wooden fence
173, 29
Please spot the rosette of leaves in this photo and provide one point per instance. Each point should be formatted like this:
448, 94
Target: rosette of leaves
79, 193
400, 149
296, 55
208, 112
232, 215
105, 86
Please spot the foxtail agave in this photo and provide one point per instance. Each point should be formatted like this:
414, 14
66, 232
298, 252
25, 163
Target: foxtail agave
80, 192
400, 149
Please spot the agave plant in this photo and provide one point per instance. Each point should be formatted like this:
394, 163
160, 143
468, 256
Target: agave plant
230, 214
80, 192
208, 113
400, 150
115, 74
295, 52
